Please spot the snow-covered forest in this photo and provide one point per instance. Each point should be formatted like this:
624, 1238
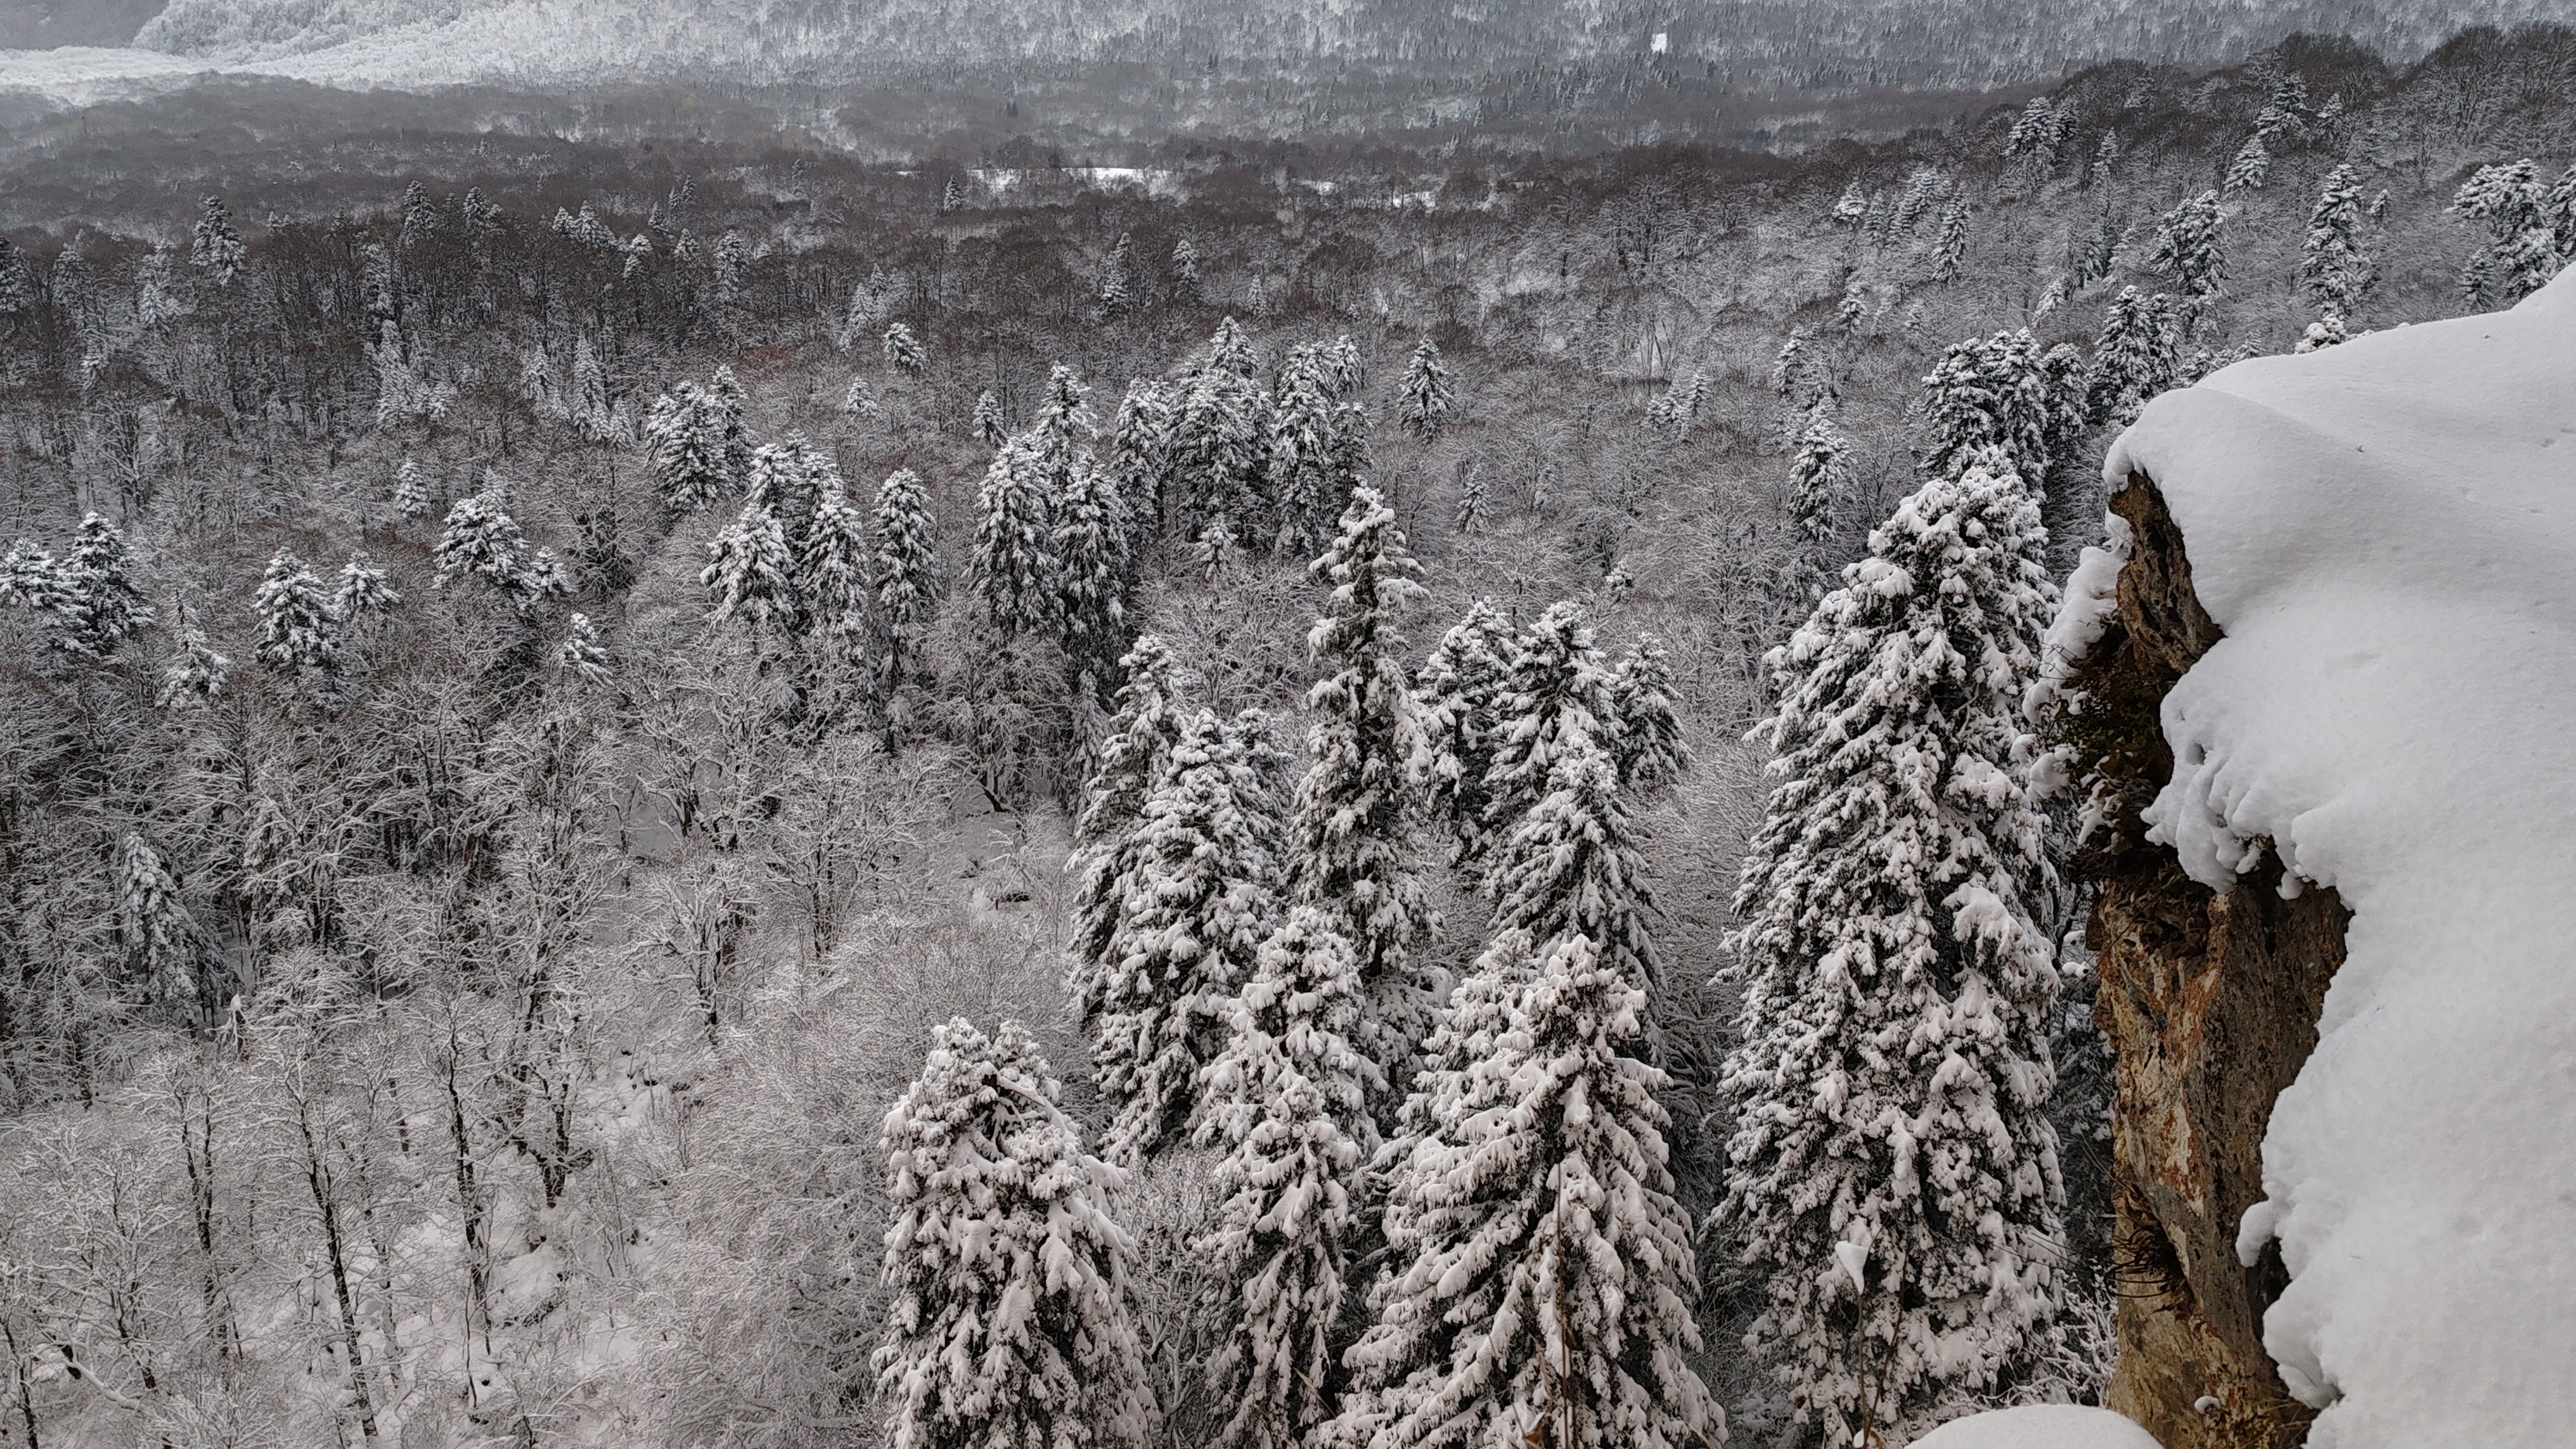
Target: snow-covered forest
1360, 797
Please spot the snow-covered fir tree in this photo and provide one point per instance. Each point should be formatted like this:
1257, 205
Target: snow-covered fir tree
153, 925
2137, 356
2335, 265
1893, 1066
215, 245
1424, 395
365, 593
750, 574
1542, 1283
1318, 452
1561, 858
481, 541
903, 348
1801, 377
1852, 207
1091, 542
833, 565
1458, 697
860, 403
1349, 823
688, 449
1139, 458
1116, 277
2190, 250
1219, 437
411, 490
1013, 567
1134, 761
732, 263
987, 425
1009, 1325
299, 630
2530, 231
196, 672
1819, 476
96, 605
1649, 749
1993, 392
582, 655
1475, 500
907, 549
2251, 166
1154, 989
1185, 265
1950, 244
1288, 1097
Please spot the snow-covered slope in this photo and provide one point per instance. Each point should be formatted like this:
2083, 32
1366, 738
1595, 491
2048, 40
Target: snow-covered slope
2386, 531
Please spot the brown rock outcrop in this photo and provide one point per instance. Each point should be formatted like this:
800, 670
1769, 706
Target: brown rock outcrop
2210, 1003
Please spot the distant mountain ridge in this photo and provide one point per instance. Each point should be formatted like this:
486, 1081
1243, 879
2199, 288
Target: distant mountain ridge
1799, 44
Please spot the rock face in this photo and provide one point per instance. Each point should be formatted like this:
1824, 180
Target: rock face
2210, 1002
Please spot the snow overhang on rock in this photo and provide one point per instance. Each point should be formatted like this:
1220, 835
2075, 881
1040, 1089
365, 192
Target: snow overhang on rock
2386, 532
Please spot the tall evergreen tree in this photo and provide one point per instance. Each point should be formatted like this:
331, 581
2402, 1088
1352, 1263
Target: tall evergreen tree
1116, 284
1950, 245
907, 550
2335, 267
1459, 697
1991, 393
1155, 990
1317, 453
1014, 564
686, 448
1288, 1097
196, 673
2250, 167
2530, 226
833, 573
1819, 476
903, 348
215, 245
1562, 859
1649, 749
2188, 248
750, 573
988, 426
1423, 398
100, 607
1091, 539
1894, 1063
1218, 441
1348, 827
1009, 1326
299, 631
1139, 458
2137, 356
1543, 1281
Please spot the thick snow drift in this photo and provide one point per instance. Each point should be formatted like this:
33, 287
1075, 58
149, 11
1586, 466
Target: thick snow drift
2386, 530
2039, 1426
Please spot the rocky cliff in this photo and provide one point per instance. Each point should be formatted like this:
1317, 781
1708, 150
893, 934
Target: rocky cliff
2210, 1001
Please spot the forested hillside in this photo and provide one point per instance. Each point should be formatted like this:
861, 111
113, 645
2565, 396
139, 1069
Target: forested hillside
634, 775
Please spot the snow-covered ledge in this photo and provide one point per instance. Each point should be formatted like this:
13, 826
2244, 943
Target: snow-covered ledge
2384, 537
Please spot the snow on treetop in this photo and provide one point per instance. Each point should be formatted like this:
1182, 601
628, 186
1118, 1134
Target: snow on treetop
2386, 531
